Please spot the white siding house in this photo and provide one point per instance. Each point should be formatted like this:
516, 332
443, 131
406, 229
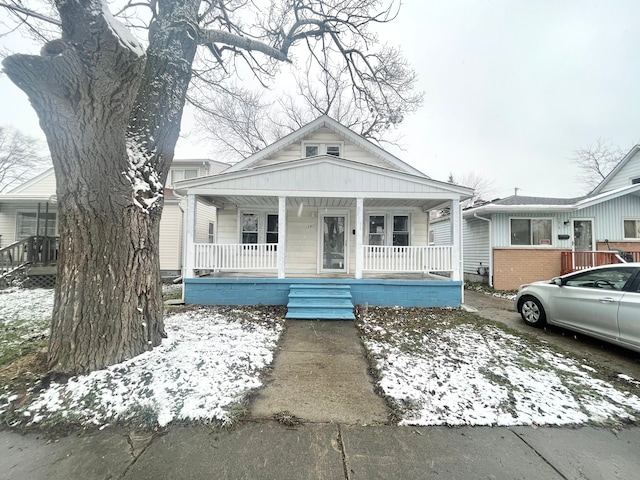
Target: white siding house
322, 204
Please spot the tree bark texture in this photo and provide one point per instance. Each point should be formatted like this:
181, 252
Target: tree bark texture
108, 300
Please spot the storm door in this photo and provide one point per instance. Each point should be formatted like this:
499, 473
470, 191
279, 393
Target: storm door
583, 251
333, 243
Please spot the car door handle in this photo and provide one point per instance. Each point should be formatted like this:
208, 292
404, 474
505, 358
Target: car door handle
607, 300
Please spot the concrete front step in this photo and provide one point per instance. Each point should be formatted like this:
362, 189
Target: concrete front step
320, 301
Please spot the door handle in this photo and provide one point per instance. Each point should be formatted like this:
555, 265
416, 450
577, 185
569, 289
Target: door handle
607, 300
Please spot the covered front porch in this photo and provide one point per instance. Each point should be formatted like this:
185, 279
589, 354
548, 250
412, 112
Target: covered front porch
269, 236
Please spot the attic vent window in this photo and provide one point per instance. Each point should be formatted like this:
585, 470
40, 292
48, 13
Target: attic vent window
310, 150
333, 150
635, 181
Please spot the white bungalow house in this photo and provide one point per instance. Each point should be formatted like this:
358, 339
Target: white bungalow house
520, 239
30, 210
322, 207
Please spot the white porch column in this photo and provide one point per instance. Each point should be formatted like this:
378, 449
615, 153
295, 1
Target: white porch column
456, 235
282, 235
359, 236
189, 260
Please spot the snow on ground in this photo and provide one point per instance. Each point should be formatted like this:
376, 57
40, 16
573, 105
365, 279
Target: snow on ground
449, 373
438, 369
19, 305
210, 361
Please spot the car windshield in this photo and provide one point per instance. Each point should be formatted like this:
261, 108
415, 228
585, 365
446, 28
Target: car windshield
611, 279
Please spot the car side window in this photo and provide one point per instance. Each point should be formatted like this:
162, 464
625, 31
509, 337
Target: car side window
609, 279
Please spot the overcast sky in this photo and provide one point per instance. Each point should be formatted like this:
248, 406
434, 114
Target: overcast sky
512, 88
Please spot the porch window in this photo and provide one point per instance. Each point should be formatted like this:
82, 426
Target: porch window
249, 228
531, 231
211, 236
400, 230
27, 224
398, 236
632, 228
272, 228
259, 227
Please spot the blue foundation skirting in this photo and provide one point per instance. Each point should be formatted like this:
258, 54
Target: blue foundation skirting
272, 291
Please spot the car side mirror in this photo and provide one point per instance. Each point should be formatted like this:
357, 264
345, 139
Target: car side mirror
557, 281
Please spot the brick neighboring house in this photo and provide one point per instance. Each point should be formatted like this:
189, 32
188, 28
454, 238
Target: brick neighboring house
520, 239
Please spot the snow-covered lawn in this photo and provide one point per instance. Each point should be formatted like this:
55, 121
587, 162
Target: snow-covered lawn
210, 361
440, 367
440, 370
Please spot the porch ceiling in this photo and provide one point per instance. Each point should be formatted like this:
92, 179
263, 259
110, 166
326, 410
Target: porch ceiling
331, 202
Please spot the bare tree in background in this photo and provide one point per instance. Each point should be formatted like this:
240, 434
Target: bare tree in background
242, 124
482, 186
595, 162
20, 158
111, 106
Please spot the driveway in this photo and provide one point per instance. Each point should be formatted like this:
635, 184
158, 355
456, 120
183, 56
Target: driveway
618, 359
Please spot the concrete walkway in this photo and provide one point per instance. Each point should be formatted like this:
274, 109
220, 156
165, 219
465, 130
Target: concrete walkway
320, 375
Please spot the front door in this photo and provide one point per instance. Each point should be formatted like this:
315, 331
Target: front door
333, 243
583, 244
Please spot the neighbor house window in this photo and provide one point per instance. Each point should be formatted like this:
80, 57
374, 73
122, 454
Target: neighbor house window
632, 229
531, 231
259, 227
183, 174
635, 181
27, 225
398, 236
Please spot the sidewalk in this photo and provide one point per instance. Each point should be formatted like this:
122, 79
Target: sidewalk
328, 451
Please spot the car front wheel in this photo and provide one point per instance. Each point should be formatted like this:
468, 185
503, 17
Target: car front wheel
532, 312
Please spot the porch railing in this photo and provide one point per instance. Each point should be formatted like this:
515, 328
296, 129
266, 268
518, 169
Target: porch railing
254, 256
31, 250
575, 261
408, 259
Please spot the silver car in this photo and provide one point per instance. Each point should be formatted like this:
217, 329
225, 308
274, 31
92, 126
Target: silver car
602, 302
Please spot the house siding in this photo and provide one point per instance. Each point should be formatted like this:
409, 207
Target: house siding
171, 238
441, 232
476, 253
325, 135
624, 176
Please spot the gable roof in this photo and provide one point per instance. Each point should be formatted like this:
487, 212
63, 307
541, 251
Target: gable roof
32, 181
612, 174
336, 127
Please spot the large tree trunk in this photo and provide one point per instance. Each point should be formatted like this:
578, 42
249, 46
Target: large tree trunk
109, 173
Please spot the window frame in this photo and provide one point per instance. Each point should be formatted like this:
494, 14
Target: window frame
637, 228
322, 148
21, 213
183, 170
262, 232
388, 233
531, 244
